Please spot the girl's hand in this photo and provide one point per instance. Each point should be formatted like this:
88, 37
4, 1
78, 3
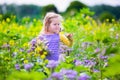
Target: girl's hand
70, 36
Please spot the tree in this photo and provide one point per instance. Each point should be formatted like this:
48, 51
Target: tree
74, 7
98, 9
49, 8
106, 15
29, 10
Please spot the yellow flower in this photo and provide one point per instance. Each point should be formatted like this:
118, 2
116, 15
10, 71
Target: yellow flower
38, 49
25, 61
8, 20
88, 28
11, 42
7, 58
42, 64
113, 20
45, 53
46, 61
3, 22
25, 45
107, 20
31, 53
87, 17
34, 20
42, 56
16, 50
36, 55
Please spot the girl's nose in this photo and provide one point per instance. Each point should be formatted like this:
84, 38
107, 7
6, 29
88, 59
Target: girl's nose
57, 26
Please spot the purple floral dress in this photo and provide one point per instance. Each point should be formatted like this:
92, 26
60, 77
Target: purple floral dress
52, 43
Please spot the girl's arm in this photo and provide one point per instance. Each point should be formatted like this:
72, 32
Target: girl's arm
67, 40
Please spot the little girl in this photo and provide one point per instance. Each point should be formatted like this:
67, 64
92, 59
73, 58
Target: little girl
51, 33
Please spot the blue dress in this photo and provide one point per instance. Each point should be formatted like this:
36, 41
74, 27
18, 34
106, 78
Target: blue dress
52, 43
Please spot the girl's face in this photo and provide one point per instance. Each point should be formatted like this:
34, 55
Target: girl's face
54, 26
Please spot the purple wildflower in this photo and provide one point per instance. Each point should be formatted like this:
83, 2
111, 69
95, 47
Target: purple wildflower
29, 50
57, 76
41, 38
103, 57
117, 36
77, 62
5, 45
17, 66
84, 44
103, 52
52, 64
97, 50
32, 48
83, 76
70, 74
14, 54
38, 60
89, 63
27, 66
33, 42
86, 62
95, 70
74, 60
105, 64
21, 49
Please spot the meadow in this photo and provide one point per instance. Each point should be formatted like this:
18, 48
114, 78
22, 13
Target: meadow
95, 54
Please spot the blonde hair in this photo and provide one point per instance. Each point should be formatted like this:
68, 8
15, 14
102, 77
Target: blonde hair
48, 19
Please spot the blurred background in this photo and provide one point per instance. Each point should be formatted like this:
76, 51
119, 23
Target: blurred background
102, 9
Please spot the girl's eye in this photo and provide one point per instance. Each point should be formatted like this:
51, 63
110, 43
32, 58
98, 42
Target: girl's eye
56, 24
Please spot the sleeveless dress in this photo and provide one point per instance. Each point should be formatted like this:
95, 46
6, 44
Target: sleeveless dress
52, 43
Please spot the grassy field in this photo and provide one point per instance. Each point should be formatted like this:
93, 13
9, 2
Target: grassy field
95, 52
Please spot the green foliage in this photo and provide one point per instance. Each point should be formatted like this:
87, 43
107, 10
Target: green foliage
106, 15
76, 5
81, 68
113, 69
26, 76
73, 8
92, 41
49, 8
8, 16
29, 10
98, 9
